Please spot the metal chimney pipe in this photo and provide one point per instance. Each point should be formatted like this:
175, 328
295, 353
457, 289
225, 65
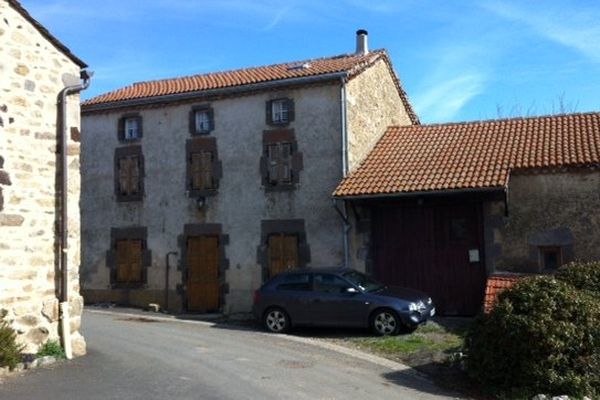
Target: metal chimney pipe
362, 45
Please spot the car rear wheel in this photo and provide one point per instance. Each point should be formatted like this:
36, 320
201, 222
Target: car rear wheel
385, 322
276, 320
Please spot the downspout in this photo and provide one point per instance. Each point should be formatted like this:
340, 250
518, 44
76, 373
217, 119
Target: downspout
344, 214
64, 268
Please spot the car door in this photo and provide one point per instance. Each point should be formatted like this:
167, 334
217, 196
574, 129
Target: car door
293, 293
332, 305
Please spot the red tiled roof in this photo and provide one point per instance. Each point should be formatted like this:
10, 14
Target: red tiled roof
495, 285
472, 155
352, 64
44, 32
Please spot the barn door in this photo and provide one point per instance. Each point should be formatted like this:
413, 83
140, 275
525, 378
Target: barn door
437, 249
283, 253
203, 273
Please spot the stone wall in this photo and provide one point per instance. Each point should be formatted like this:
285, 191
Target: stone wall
32, 71
544, 210
373, 104
239, 207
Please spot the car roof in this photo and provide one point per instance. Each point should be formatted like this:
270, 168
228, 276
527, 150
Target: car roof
331, 270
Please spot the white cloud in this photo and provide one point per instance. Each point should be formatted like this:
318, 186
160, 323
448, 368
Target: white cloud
444, 98
577, 29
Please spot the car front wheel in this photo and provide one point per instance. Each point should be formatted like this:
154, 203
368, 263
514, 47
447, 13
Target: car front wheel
276, 320
385, 322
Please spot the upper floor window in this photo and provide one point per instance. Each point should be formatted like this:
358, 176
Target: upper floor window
203, 169
201, 120
201, 165
130, 128
281, 162
129, 173
279, 158
280, 111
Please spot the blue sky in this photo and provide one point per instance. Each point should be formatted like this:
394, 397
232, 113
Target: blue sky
457, 59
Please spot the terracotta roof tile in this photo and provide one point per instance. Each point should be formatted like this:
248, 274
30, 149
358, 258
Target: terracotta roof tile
472, 155
352, 64
495, 285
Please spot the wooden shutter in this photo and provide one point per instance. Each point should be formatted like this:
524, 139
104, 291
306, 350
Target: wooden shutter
201, 170
124, 180
129, 261
273, 157
283, 253
129, 175
290, 110
269, 112
285, 164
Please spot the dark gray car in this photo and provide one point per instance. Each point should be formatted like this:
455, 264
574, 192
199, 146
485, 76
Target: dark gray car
338, 297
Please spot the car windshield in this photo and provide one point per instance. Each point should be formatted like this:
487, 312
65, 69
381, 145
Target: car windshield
364, 282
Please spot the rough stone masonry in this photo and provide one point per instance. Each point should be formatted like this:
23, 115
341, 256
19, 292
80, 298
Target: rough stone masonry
33, 70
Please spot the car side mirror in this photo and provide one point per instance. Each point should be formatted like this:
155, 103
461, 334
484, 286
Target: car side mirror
351, 290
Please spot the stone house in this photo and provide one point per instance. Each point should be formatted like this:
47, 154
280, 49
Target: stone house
39, 82
197, 189
442, 207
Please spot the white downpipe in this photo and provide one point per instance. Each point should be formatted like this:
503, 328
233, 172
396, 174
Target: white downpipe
65, 326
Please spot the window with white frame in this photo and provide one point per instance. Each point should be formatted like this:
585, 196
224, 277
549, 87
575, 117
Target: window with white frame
280, 111
202, 120
132, 128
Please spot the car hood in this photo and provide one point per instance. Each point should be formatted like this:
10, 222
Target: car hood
402, 293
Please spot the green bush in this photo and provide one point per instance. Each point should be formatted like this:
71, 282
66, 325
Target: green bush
10, 351
582, 275
542, 337
51, 348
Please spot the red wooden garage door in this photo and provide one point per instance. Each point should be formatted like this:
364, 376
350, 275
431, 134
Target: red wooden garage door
436, 249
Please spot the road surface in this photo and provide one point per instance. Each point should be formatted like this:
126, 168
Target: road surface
134, 358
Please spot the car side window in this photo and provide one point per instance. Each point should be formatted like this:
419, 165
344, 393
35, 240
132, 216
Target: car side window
295, 282
329, 283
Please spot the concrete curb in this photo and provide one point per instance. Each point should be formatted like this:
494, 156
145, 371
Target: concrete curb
383, 362
28, 365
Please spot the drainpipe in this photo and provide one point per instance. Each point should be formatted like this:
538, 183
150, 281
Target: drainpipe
167, 269
344, 213
64, 268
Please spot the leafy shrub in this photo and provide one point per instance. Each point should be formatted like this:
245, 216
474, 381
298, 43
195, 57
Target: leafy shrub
10, 351
51, 348
582, 275
542, 337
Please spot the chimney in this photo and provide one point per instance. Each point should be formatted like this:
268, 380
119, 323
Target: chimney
362, 46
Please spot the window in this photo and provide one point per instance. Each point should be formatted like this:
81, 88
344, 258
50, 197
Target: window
550, 258
201, 170
130, 128
279, 158
129, 173
283, 253
201, 120
328, 283
281, 162
129, 261
295, 282
280, 111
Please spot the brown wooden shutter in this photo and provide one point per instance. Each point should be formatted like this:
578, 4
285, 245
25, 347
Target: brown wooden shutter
124, 176
134, 175
121, 129
206, 169
291, 111
269, 112
285, 165
273, 160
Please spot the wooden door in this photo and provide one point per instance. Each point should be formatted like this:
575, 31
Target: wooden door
283, 253
203, 273
129, 261
427, 248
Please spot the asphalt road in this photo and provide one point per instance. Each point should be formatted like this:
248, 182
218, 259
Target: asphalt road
132, 358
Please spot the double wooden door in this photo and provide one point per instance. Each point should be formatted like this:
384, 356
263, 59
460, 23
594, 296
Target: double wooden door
437, 249
203, 273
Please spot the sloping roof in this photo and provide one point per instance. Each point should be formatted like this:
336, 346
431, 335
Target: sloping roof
45, 33
495, 285
472, 155
350, 64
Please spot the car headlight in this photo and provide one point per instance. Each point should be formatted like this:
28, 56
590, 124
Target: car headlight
418, 306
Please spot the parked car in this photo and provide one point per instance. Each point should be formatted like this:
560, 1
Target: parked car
338, 297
